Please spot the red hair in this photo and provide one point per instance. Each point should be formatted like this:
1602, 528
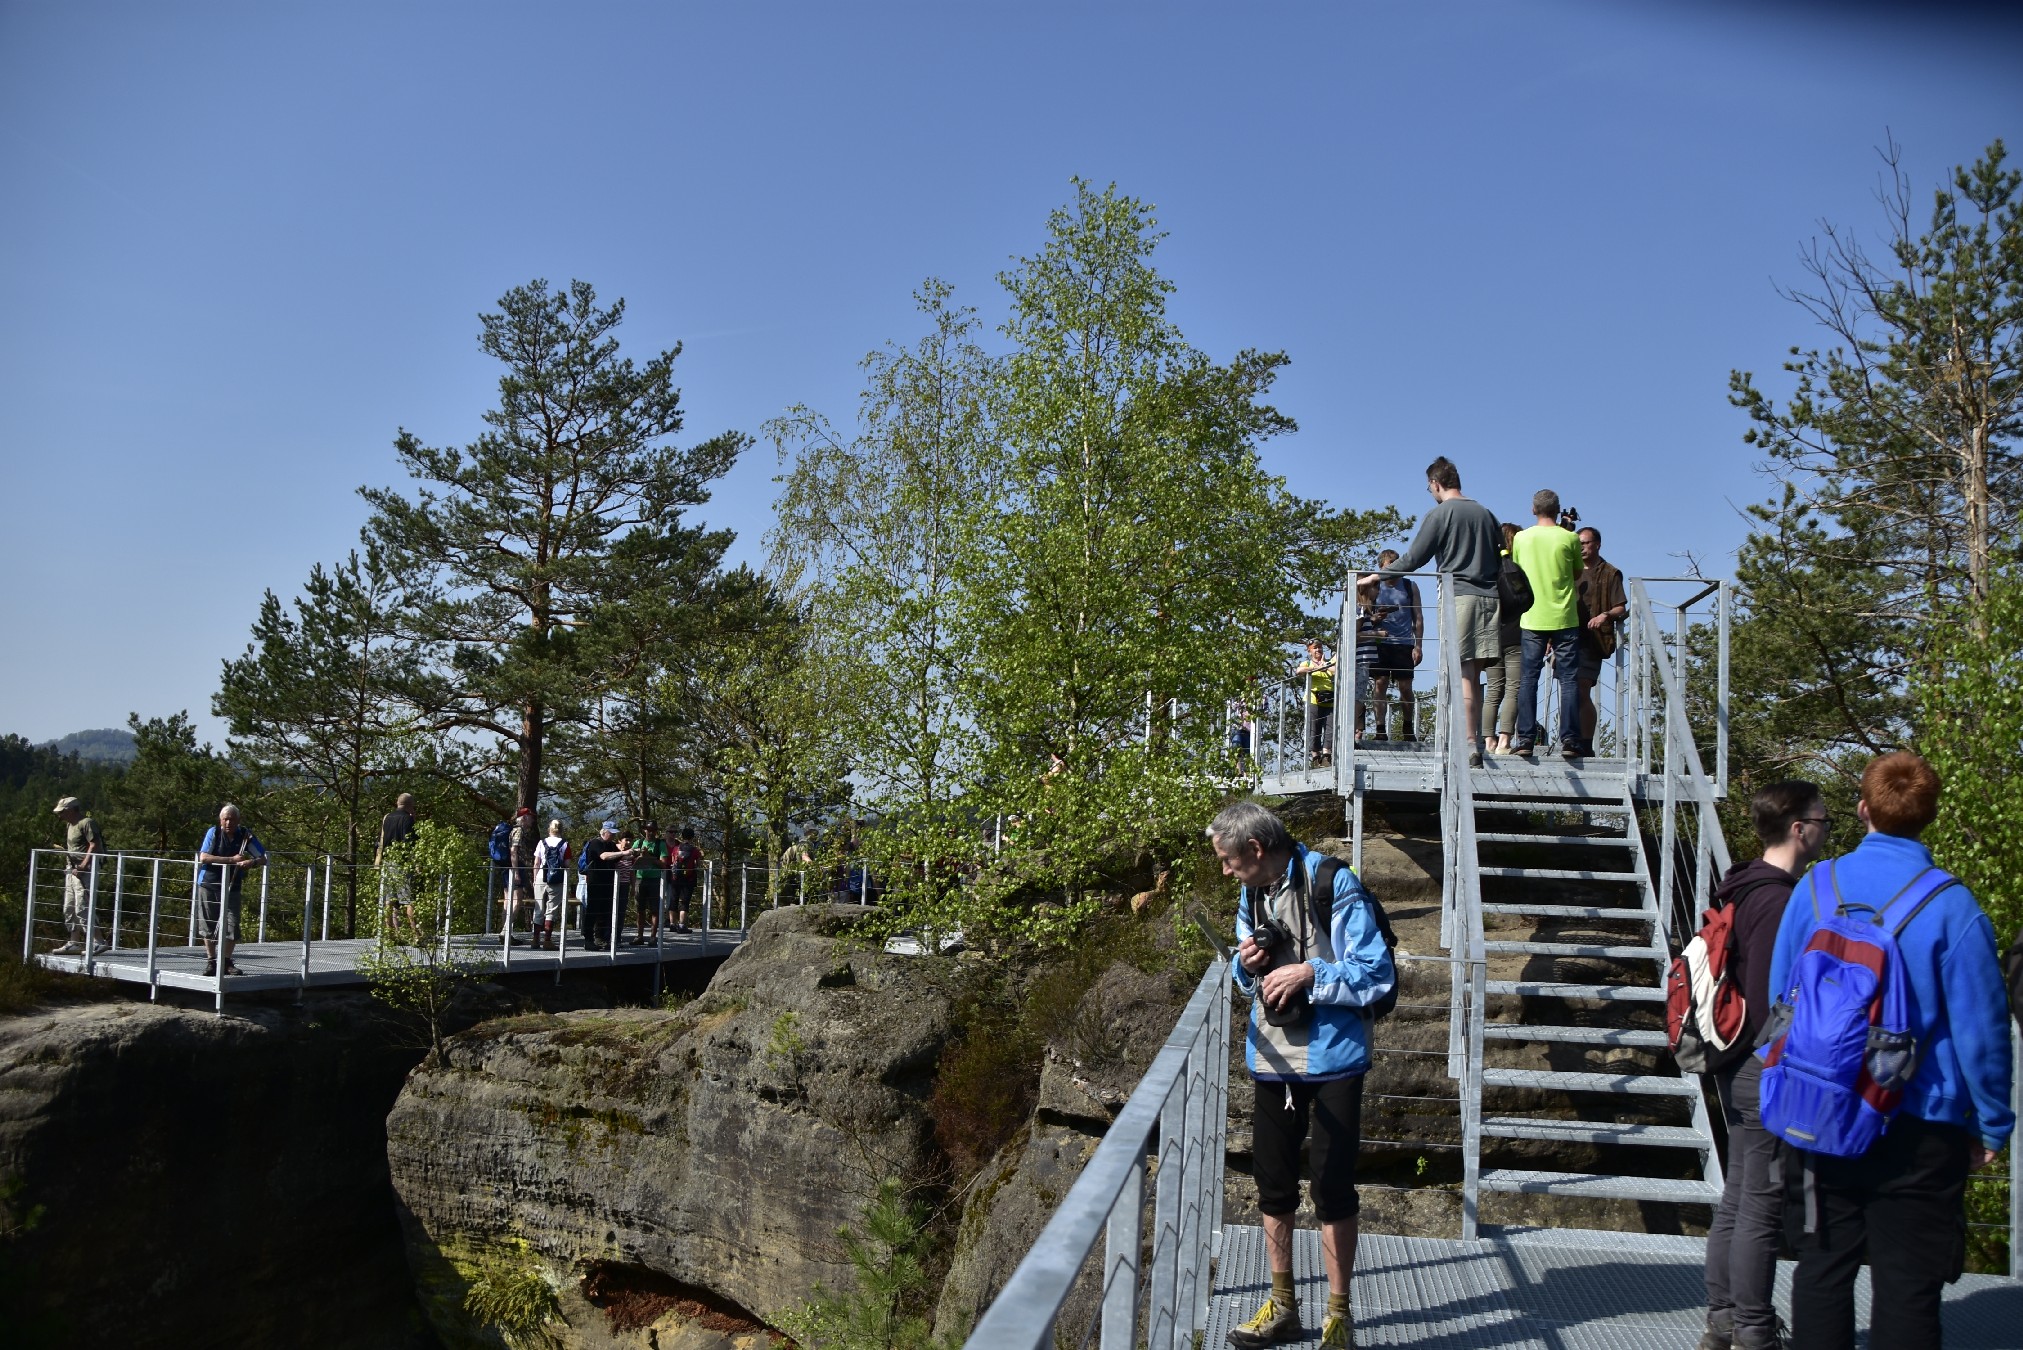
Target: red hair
1902, 793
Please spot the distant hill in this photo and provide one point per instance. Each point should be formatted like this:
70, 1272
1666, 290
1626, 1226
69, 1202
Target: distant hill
113, 745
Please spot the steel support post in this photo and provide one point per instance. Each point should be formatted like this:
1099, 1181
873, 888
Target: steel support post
1476, 972
1121, 1268
1191, 1288
91, 919
506, 945
262, 930
562, 929
744, 889
1162, 1329
1724, 598
308, 924
323, 933
708, 897
1668, 834
154, 911
118, 890
28, 912
2015, 1156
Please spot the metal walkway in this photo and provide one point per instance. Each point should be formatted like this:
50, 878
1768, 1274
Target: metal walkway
1554, 1289
334, 963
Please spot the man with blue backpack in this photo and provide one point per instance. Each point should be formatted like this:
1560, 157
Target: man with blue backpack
1314, 954
1886, 1070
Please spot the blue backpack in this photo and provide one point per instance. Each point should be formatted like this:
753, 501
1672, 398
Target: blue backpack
555, 863
1838, 1045
501, 849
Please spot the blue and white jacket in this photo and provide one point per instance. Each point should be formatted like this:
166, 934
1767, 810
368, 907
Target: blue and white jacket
1352, 969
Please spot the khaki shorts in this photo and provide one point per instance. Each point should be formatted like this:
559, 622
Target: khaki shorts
1475, 626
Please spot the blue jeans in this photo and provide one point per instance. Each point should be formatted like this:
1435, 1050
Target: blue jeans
1565, 645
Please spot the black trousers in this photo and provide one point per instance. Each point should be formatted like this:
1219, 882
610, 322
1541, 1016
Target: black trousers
1899, 1207
1335, 1110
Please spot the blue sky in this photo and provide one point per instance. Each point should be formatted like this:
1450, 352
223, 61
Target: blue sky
243, 245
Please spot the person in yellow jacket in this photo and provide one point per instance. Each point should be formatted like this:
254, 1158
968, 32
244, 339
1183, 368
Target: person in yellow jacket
1319, 672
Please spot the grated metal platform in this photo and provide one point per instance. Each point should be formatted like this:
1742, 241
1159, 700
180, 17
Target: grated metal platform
278, 965
1554, 1289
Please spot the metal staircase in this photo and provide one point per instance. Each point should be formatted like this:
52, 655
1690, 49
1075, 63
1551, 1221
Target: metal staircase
1558, 927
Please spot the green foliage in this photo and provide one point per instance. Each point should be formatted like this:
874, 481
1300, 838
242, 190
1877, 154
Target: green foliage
784, 1043
171, 792
891, 1307
1898, 479
513, 1297
520, 552
412, 969
1970, 725
1042, 577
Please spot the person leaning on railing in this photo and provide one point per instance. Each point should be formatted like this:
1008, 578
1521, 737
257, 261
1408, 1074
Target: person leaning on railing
1307, 1047
1319, 672
1463, 535
228, 852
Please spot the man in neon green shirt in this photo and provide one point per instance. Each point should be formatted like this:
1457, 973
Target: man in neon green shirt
1549, 556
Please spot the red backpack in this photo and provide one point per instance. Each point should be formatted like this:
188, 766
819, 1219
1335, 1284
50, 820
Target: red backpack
1704, 1007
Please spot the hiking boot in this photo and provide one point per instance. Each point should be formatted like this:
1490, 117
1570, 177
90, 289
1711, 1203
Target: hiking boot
1570, 752
1474, 759
1720, 1332
1271, 1325
1338, 1332
1754, 1338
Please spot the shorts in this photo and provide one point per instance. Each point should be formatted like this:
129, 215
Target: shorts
682, 892
207, 913
1335, 1111
519, 882
1475, 626
1394, 660
1590, 665
548, 897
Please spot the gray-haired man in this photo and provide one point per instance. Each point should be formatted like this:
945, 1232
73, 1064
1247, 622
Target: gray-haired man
1322, 963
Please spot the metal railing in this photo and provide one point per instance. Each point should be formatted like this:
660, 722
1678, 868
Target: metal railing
1182, 1104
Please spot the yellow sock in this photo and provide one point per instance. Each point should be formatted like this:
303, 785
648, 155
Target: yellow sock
1338, 1305
1281, 1288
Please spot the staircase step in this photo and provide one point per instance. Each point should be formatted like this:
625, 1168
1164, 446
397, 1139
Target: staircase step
1593, 840
1601, 1186
1579, 949
1627, 913
1562, 1080
1560, 874
1624, 1036
1595, 1132
1605, 993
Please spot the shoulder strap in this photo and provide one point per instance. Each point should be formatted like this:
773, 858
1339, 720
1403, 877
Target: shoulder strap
1939, 885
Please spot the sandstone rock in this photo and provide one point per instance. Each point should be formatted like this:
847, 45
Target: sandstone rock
721, 1146
204, 1180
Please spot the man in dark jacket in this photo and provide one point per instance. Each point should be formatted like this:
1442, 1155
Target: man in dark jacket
1791, 821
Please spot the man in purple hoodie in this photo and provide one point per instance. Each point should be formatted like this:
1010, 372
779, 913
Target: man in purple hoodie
1791, 821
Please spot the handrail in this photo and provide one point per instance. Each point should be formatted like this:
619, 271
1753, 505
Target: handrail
1681, 763
1183, 1100
1463, 923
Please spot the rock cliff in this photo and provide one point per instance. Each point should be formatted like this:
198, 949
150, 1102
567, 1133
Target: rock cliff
712, 1151
201, 1180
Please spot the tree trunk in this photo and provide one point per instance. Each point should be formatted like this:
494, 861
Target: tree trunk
533, 726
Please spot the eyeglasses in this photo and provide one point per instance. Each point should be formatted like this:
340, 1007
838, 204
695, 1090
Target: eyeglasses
1824, 822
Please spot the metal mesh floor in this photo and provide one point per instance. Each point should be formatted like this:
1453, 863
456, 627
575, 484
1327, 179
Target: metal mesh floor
1558, 1289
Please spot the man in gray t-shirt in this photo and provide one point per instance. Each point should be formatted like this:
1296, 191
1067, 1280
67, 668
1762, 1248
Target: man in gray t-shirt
1466, 539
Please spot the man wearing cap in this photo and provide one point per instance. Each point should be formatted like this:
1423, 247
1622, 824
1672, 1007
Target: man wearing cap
602, 873
652, 851
82, 842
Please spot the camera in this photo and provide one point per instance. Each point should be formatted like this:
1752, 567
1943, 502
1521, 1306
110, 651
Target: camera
1269, 936
1569, 518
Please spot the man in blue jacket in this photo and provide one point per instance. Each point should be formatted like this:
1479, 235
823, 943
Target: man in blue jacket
1307, 1047
1899, 1206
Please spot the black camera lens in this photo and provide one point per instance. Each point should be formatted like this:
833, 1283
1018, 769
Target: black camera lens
1267, 935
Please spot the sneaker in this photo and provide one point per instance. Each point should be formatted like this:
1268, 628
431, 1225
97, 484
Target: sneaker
1569, 753
1474, 759
1271, 1325
1338, 1332
67, 949
1522, 749
683, 928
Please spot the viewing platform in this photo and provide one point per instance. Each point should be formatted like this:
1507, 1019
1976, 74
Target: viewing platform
1544, 1289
